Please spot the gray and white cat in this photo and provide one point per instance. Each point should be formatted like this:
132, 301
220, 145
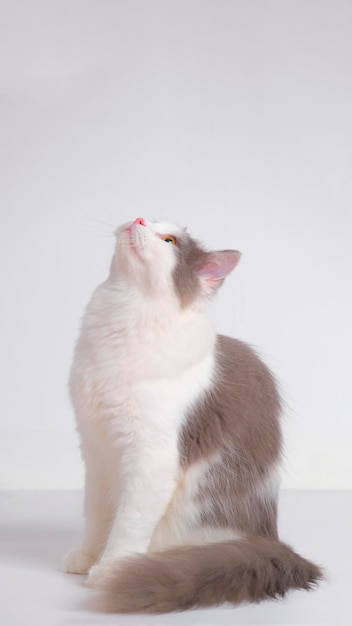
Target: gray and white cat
181, 438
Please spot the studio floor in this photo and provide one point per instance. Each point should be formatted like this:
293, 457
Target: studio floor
38, 528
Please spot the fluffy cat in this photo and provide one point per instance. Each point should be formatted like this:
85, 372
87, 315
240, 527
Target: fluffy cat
180, 434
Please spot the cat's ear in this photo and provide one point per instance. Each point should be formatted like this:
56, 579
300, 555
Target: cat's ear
215, 266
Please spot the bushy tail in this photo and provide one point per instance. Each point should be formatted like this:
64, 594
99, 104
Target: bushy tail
248, 570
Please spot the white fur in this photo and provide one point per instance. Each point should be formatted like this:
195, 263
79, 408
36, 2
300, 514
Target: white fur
182, 524
140, 362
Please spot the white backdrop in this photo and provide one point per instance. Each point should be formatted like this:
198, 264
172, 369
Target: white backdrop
232, 117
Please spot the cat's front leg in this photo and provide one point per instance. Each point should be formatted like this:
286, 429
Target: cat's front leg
98, 517
145, 499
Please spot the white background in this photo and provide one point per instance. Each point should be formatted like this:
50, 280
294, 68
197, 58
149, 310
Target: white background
230, 117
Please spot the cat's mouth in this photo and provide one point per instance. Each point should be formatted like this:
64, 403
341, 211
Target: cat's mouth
134, 243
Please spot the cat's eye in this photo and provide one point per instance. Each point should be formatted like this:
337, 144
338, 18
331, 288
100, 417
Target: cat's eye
170, 239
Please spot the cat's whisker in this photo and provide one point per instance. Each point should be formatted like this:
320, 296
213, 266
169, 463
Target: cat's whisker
108, 224
106, 228
123, 244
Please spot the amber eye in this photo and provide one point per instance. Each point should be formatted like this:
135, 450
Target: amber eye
169, 239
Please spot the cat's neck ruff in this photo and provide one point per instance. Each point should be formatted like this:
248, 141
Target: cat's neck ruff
122, 305
145, 332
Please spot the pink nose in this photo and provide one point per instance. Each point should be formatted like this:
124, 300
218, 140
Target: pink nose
139, 220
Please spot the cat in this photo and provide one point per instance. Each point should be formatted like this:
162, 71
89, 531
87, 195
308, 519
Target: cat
181, 438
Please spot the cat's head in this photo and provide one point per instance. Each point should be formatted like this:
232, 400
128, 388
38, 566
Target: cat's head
160, 258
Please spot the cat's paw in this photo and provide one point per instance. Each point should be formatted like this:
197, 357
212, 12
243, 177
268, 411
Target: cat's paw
78, 562
100, 573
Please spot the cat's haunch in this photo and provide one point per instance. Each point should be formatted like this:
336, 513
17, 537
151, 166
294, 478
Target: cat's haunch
181, 438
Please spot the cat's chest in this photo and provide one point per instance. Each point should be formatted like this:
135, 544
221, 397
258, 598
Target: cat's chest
123, 357
125, 343
125, 378
122, 408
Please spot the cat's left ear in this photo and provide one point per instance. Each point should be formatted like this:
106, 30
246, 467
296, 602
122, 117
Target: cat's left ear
215, 266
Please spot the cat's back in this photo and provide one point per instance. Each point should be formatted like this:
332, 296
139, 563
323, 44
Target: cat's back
243, 376
240, 411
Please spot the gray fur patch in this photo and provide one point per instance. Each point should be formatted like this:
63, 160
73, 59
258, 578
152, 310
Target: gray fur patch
189, 255
238, 422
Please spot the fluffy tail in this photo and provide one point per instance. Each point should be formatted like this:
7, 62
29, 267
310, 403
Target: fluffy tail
201, 576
